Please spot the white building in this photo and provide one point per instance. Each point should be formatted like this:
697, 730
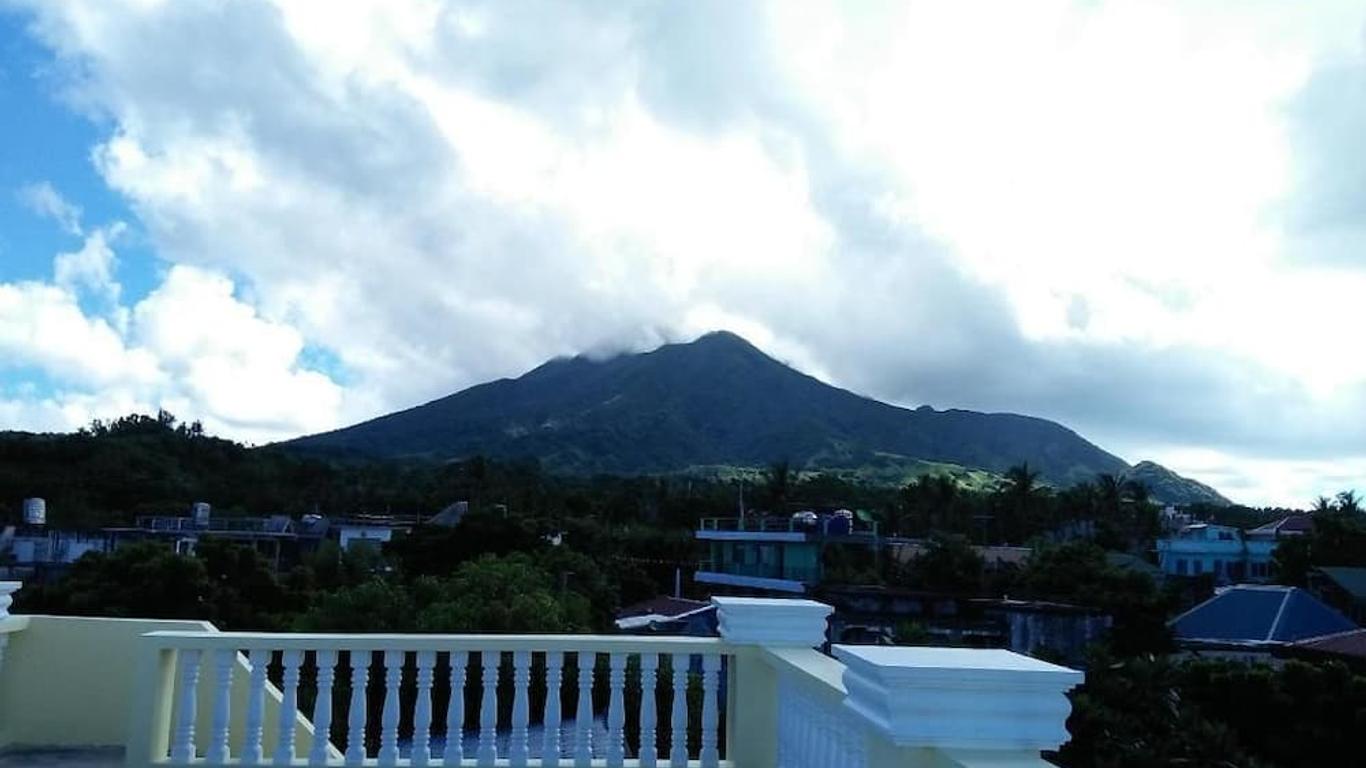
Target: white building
1230, 554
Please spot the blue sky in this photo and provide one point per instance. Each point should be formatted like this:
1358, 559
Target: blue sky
1144, 219
45, 140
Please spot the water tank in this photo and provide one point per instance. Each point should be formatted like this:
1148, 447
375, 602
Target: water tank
35, 512
200, 511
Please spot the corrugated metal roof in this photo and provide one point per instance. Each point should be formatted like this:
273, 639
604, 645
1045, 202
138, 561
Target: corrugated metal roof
1353, 580
1259, 614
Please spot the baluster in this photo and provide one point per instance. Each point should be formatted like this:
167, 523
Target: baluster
422, 714
711, 669
252, 753
355, 723
182, 747
488, 709
616, 710
521, 708
224, 659
326, 662
678, 751
583, 712
455, 711
649, 751
289, 708
388, 734
550, 753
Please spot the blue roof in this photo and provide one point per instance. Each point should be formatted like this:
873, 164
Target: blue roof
1262, 614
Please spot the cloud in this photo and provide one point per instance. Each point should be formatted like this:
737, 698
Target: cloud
190, 346
1086, 211
44, 199
92, 267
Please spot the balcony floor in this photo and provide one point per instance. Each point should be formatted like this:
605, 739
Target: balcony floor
62, 758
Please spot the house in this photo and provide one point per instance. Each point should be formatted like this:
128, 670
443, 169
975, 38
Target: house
763, 695
1289, 526
1343, 588
776, 554
1250, 622
665, 615
39, 553
1222, 551
1348, 647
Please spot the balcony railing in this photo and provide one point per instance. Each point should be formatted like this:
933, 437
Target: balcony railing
760, 696
825, 525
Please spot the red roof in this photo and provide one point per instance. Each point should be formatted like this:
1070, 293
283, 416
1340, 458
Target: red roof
1349, 643
1290, 525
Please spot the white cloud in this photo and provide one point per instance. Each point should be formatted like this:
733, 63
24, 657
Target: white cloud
191, 347
1092, 211
44, 199
91, 268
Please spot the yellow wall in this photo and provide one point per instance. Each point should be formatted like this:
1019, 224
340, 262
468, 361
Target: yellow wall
68, 681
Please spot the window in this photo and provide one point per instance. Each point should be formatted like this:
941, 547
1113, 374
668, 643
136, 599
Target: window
1199, 567
1181, 566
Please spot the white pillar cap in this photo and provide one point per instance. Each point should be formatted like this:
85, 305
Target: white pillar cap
966, 698
771, 621
7, 588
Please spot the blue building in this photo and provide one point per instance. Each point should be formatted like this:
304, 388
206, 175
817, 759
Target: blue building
1231, 555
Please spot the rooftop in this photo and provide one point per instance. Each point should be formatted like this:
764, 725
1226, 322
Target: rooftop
762, 695
1256, 614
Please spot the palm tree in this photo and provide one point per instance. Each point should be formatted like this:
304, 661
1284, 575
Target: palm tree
1348, 502
779, 482
1322, 505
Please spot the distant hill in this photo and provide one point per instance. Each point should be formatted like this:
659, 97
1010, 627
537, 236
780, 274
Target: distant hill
1167, 487
717, 401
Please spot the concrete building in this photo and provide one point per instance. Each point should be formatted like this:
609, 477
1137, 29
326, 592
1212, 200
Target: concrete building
776, 554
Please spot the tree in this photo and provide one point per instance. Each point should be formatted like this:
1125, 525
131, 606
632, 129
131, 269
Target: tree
948, 564
778, 483
1078, 573
143, 580
1291, 560
1347, 503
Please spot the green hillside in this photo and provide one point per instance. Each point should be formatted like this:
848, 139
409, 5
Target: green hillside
715, 401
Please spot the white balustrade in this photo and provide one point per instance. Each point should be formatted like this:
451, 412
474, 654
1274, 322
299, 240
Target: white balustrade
405, 736
322, 706
289, 707
182, 746
649, 749
678, 720
393, 678
422, 709
7, 590
779, 702
554, 677
711, 669
518, 751
488, 709
583, 713
355, 725
252, 750
224, 660
455, 711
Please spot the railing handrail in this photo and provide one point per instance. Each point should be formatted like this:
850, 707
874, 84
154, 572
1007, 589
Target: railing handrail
432, 642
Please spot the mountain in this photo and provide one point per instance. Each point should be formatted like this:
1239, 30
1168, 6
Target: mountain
715, 401
1167, 487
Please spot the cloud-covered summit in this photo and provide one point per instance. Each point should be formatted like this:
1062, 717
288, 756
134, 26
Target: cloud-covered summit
1132, 217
